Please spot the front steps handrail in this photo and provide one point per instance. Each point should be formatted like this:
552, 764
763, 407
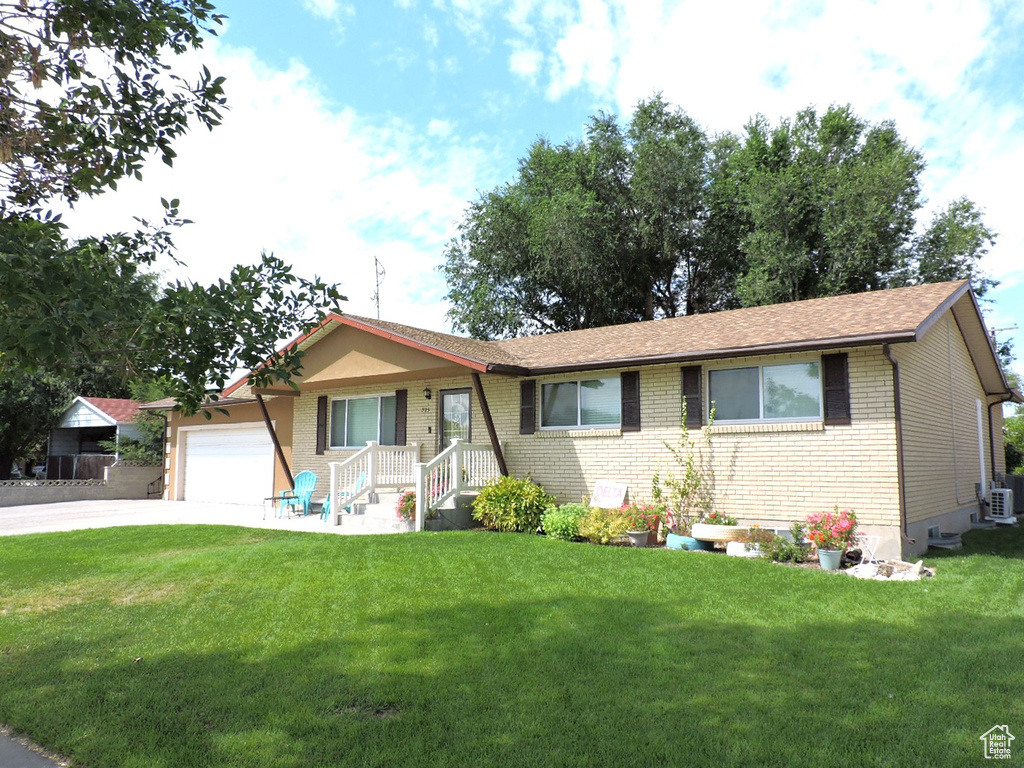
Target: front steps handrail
458, 468
378, 466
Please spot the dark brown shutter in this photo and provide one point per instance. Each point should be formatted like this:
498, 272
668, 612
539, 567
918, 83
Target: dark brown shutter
527, 407
321, 424
401, 412
691, 378
837, 388
630, 388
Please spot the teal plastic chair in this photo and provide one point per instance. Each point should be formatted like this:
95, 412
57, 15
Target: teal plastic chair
325, 509
305, 482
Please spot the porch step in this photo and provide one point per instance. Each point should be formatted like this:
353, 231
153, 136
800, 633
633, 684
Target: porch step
379, 517
946, 541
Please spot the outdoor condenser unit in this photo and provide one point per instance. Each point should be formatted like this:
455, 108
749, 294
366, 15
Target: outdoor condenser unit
1000, 506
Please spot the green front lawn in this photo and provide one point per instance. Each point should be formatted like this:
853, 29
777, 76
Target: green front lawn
184, 646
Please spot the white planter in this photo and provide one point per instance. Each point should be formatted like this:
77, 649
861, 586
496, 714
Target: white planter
705, 532
739, 549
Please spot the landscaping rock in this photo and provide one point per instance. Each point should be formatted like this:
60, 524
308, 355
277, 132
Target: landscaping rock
891, 570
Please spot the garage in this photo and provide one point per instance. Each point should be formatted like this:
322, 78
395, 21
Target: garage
229, 465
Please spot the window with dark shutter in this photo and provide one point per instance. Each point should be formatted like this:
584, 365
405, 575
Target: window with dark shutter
837, 388
691, 381
321, 424
401, 411
630, 401
527, 407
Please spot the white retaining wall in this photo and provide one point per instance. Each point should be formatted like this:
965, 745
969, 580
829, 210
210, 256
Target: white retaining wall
120, 483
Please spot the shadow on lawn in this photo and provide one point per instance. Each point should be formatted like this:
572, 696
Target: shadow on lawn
1001, 541
560, 682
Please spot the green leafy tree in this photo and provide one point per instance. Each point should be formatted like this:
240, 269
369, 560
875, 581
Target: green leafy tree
1013, 441
31, 404
86, 96
952, 247
608, 230
658, 219
830, 202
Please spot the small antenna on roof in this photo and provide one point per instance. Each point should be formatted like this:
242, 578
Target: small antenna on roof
379, 269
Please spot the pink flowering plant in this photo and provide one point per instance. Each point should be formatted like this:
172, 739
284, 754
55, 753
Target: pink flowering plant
642, 517
832, 530
406, 506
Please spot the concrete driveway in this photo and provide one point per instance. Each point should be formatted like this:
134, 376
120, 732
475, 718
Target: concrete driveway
75, 515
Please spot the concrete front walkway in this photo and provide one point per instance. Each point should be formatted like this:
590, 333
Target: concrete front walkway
75, 515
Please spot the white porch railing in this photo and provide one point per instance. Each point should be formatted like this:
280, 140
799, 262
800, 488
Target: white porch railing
460, 467
375, 466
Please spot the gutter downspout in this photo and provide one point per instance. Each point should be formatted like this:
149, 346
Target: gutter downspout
491, 432
898, 418
991, 437
277, 443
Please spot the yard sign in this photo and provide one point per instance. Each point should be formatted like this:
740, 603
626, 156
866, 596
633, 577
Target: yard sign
608, 495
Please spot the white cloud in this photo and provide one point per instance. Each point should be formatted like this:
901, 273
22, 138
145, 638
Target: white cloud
322, 188
431, 34
439, 128
525, 62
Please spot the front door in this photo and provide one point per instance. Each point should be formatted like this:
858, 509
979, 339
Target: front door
456, 412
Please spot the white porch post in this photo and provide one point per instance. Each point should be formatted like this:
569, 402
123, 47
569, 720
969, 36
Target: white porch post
457, 459
371, 468
332, 492
421, 501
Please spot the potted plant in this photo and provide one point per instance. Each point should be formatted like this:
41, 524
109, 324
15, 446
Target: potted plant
717, 526
405, 509
831, 533
642, 523
750, 544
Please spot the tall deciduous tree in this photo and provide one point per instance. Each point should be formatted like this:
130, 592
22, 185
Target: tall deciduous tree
660, 219
86, 96
831, 204
608, 230
952, 246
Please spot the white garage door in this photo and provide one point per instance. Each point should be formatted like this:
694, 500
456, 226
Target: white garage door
230, 466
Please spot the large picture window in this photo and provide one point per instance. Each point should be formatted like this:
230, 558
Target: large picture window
357, 420
771, 392
582, 403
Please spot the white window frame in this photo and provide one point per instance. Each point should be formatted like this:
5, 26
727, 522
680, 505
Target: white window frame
760, 393
579, 410
330, 419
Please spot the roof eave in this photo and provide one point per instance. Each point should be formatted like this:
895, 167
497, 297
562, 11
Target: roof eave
728, 353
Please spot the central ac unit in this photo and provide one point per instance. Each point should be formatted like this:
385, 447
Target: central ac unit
1000, 506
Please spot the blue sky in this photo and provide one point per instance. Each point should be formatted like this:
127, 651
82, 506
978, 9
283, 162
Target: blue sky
362, 129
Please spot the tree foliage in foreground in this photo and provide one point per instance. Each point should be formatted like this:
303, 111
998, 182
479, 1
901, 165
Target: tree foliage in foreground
658, 218
86, 97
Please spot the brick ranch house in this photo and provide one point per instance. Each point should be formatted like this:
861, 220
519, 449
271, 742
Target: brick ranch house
886, 402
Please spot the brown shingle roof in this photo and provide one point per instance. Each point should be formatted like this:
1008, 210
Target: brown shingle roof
862, 318
875, 317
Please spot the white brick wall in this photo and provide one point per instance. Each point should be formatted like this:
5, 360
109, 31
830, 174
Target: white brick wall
765, 473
